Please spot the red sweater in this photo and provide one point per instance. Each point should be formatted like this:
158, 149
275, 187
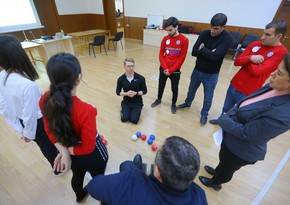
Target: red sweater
172, 52
252, 76
84, 123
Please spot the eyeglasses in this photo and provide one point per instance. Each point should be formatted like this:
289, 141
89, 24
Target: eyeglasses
130, 66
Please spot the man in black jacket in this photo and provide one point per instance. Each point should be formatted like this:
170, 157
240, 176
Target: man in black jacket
210, 50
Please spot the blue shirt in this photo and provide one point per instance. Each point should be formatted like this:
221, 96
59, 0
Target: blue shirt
135, 187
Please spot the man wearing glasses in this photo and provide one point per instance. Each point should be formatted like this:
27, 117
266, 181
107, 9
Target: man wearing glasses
173, 50
131, 86
209, 50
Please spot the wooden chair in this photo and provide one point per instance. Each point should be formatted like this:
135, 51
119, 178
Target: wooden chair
98, 41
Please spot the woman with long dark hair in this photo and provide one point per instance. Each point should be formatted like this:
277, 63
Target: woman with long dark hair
19, 97
72, 122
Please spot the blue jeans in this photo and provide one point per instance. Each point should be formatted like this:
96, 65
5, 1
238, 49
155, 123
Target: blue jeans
233, 97
209, 82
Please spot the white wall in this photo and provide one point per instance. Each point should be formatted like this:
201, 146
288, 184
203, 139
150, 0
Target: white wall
65, 7
119, 5
244, 13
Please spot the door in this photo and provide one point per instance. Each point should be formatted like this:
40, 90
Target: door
284, 13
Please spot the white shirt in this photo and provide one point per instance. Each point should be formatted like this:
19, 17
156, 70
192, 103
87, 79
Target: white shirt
19, 99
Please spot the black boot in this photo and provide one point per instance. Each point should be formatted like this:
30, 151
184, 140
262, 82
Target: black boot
209, 170
208, 182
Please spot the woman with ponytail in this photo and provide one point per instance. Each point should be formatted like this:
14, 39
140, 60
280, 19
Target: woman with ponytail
72, 122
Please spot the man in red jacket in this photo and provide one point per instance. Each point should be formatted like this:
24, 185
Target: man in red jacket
258, 61
172, 54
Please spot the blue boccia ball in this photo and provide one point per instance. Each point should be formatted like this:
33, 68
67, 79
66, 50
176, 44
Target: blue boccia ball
150, 141
138, 134
152, 137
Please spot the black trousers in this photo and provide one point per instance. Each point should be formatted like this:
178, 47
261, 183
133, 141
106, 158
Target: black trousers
131, 113
48, 149
174, 77
228, 165
94, 163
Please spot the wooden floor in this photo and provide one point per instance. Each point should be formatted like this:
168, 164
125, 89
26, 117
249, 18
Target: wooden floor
25, 177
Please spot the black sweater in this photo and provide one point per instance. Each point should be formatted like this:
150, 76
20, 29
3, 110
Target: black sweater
137, 84
210, 58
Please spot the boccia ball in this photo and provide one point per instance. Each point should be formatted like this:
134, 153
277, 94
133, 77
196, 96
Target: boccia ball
154, 147
138, 134
152, 137
102, 137
134, 137
149, 141
104, 141
143, 137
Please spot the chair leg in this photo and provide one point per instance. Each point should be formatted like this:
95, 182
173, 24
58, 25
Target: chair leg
89, 50
121, 44
114, 45
94, 51
236, 54
105, 49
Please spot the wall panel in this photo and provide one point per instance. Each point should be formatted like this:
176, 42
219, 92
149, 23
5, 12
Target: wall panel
134, 27
96, 21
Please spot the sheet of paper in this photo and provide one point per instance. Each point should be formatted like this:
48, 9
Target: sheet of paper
218, 137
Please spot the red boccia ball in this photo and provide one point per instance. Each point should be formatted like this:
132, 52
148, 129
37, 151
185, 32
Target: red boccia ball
143, 137
154, 147
104, 142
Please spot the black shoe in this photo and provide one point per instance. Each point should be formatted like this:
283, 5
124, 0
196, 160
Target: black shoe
139, 164
138, 161
181, 106
156, 102
208, 182
203, 120
213, 121
173, 108
82, 196
59, 174
209, 170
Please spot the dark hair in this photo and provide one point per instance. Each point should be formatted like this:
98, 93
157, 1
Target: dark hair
218, 19
280, 26
286, 60
178, 162
63, 70
13, 58
171, 21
